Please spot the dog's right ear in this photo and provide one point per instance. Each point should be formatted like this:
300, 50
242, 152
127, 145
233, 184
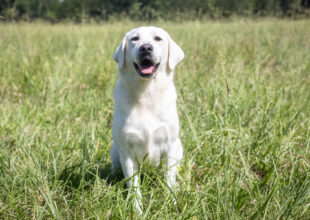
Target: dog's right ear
119, 54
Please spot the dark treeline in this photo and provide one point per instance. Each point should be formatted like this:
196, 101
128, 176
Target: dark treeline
96, 10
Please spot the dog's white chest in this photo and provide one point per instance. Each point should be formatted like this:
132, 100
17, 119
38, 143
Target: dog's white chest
147, 136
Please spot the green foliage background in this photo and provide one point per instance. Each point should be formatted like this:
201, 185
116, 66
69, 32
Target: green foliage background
95, 10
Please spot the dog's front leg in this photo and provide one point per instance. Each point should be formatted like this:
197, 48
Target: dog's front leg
174, 157
130, 170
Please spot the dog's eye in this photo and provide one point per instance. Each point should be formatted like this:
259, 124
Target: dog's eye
158, 38
135, 38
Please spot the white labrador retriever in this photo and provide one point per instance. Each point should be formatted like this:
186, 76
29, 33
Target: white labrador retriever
145, 123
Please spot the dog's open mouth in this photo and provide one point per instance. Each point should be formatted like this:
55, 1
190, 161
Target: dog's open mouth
146, 68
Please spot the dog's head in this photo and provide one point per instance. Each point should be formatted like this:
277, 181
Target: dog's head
146, 51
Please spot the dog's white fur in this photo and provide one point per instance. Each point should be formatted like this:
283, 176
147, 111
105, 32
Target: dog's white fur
145, 122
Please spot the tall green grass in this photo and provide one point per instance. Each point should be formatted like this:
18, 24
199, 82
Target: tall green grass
243, 101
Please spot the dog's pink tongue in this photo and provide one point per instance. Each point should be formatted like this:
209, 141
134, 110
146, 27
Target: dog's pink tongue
147, 70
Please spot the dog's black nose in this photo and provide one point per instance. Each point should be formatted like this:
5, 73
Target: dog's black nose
146, 49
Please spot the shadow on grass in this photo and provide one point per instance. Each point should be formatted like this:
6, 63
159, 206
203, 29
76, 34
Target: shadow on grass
83, 176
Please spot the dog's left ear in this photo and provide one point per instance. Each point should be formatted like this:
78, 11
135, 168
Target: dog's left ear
119, 54
175, 54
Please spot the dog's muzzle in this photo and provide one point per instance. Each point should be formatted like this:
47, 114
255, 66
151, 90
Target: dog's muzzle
146, 67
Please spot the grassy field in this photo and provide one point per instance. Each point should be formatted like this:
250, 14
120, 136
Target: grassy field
244, 92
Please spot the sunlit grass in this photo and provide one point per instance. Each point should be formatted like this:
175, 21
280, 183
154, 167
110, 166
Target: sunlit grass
244, 92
